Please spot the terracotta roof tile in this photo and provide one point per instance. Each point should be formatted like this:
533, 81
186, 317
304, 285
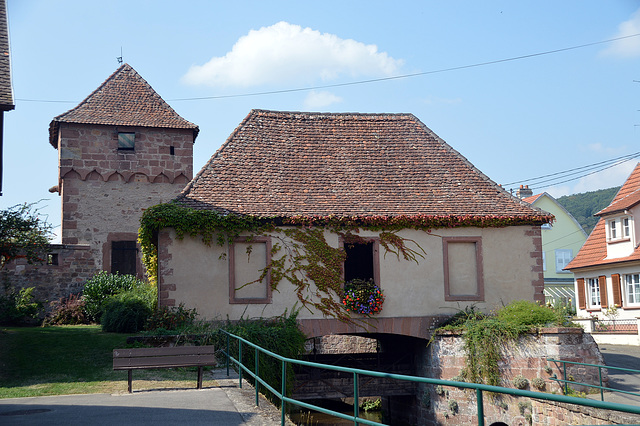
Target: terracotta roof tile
286, 164
6, 88
532, 199
627, 197
594, 250
124, 99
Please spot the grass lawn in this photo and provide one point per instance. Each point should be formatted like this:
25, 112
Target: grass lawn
37, 361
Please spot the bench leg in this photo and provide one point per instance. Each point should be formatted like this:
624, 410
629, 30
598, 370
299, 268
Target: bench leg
200, 377
130, 379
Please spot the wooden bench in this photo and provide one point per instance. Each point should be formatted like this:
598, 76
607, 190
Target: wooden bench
169, 357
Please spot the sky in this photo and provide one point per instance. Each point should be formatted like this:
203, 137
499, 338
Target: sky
522, 89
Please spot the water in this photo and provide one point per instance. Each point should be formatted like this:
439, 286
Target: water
315, 418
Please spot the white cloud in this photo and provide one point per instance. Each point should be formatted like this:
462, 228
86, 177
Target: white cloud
628, 47
287, 53
320, 99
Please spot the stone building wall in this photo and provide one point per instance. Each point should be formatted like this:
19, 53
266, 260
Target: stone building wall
104, 189
74, 265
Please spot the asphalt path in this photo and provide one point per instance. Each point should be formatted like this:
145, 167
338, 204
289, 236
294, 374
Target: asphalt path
226, 404
624, 356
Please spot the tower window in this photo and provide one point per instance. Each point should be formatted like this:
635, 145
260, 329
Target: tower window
126, 141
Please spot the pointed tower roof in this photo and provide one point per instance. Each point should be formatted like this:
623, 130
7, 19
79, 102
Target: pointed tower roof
124, 99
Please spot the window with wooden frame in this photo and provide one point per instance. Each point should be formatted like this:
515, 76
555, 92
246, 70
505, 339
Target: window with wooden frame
594, 296
248, 259
362, 261
463, 270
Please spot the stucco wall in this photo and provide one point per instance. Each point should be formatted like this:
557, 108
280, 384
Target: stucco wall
198, 276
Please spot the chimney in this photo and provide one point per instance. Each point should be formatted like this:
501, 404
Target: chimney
524, 192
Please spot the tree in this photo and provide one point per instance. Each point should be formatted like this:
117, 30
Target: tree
23, 234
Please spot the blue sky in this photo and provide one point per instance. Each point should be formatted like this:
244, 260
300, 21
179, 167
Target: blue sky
515, 120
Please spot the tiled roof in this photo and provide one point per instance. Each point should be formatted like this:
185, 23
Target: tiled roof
533, 198
124, 99
594, 250
6, 88
287, 164
627, 197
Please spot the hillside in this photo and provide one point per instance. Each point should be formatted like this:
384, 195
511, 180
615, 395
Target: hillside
583, 206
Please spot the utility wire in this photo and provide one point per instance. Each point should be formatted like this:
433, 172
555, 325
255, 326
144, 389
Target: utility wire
376, 80
584, 174
589, 166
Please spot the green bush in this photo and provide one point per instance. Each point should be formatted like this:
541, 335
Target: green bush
124, 314
103, 285
524, 312
280, 335
67, 311
19, 307
171, 318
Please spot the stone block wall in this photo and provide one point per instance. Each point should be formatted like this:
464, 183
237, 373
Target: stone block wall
75, 265
528, 358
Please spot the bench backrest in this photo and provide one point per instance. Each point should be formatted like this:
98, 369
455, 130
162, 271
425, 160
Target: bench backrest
177, 356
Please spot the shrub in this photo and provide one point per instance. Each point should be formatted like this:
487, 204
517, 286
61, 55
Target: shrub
524, 312
171, 318
103, 285
538, 383
19, 307
520, 382
67, 311
124, 314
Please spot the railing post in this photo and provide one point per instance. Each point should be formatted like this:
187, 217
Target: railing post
228, 354
601, 390
255, 380
566, 385
284, 391
480, 407
356, 402
240, 364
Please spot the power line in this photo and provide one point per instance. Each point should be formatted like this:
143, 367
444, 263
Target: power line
377, 80
555, 182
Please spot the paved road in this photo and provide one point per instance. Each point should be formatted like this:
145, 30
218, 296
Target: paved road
625, 357
223, 405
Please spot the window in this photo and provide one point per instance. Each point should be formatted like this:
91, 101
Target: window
362, 261
126, 141
612, 230
563, 257
124, 257
248, 259
625, 228
593, 287
546, 226
463, 270
52, 259
632, 288
544, 260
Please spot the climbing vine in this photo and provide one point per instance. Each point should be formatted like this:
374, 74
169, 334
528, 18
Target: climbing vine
308, 262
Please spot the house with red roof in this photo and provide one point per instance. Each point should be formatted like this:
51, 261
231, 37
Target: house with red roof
561, 241
381, 177
607, 267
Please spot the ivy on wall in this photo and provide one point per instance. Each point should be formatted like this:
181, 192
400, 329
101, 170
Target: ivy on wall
307, 261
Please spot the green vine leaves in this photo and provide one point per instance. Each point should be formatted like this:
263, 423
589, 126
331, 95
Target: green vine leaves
301, 254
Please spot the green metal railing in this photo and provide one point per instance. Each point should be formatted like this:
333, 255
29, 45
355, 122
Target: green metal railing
600, 367
479, 388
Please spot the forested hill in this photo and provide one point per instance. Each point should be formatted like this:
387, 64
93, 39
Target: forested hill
583, 206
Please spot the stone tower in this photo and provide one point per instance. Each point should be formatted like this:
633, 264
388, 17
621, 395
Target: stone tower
120, 151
